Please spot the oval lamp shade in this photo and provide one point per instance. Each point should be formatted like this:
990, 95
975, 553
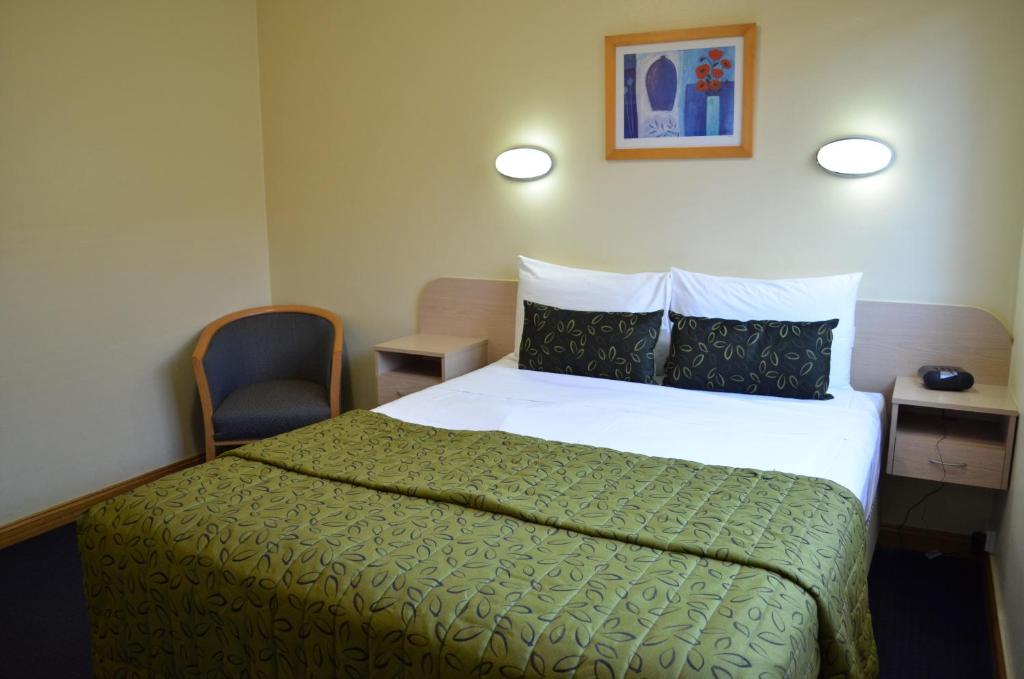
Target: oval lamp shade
524, 162
855, 156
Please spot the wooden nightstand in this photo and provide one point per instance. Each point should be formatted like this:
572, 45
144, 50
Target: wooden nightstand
968, 435
408, 364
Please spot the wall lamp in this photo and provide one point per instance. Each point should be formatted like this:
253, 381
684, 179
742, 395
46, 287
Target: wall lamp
855, 156
524, 163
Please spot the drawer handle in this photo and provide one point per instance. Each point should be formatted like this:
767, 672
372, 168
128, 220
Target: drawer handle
399, 393
957, 465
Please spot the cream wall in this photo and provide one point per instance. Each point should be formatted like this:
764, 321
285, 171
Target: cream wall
382, 121
131, 213
1009, 557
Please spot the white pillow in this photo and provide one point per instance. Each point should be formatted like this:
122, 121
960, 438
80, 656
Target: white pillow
794, 299
587, 290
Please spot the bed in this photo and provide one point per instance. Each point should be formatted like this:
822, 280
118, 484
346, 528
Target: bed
493, 526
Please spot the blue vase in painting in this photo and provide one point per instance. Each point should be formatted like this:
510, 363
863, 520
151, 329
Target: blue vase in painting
661, 82
712, 115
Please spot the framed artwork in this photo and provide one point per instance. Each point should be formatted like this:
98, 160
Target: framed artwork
685, 93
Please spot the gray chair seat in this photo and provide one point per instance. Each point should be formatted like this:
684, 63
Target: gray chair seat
264, 409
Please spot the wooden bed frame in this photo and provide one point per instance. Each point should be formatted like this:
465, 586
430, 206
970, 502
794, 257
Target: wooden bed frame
893, 338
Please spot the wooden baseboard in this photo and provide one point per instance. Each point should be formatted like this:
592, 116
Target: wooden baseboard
923, 540
66, 512
998, 656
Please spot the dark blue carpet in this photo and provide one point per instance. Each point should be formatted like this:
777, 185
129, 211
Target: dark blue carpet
929, 615
45, 631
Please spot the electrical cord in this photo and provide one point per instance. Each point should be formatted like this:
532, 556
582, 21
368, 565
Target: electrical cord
944, 420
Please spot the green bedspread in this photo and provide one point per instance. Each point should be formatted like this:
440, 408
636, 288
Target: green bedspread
364, 546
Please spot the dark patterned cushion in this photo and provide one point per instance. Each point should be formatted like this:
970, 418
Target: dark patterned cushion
612, 345
768, 358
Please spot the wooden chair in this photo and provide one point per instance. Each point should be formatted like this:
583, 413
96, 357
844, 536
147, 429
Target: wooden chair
267, 370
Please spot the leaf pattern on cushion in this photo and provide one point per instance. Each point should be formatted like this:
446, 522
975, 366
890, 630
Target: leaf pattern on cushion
608, 344
766, 358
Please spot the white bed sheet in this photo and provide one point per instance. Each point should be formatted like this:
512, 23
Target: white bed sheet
838, 439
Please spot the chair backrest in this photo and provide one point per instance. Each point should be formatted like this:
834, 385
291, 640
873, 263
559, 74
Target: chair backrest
270, 345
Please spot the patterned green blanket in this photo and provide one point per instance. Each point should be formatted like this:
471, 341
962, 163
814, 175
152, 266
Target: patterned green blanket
364, 546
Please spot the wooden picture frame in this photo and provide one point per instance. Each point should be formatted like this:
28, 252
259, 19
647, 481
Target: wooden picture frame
686, 93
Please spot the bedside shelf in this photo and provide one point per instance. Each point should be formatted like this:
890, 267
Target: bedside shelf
957, 437
408, 364
980, 429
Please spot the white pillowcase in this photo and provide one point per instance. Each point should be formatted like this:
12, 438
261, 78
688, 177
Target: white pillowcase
586, 290
794, 299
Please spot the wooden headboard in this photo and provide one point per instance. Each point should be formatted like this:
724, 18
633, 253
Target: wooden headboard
893, 338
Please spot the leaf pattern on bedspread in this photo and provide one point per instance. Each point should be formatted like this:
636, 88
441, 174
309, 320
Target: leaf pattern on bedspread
364, 546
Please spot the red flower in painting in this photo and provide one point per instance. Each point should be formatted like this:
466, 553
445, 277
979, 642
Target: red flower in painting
711, 71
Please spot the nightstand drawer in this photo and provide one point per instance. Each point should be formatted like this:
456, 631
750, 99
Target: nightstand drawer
971, 462
395, 385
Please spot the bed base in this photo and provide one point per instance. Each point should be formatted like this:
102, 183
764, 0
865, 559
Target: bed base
872, 523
